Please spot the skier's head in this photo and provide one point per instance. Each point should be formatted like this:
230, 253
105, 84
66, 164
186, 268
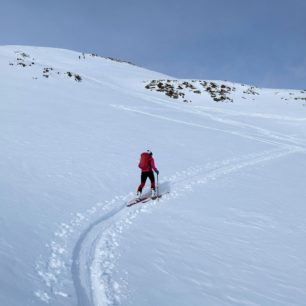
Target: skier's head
149, 152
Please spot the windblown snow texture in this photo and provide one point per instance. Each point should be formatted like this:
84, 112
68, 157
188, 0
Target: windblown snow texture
230, 232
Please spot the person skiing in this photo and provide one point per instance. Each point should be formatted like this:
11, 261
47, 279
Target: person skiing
147, 165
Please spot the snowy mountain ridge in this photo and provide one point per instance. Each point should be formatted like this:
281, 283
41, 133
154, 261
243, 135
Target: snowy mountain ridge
231, 155
217, 90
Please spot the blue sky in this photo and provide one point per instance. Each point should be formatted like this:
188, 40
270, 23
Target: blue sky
258, 42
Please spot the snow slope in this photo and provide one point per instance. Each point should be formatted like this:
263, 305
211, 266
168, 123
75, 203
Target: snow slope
230, 232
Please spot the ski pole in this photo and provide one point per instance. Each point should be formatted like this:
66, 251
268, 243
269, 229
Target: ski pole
157, 188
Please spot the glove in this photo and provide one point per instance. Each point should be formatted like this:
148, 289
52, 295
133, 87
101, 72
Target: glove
157, 172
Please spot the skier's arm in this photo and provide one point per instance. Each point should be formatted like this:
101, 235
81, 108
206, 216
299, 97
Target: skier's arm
153, 166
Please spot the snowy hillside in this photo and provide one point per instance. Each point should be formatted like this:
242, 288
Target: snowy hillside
230, 232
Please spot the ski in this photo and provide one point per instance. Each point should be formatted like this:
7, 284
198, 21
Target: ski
141, 200
145, 199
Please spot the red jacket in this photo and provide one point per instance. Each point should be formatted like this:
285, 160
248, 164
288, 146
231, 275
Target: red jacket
151, 166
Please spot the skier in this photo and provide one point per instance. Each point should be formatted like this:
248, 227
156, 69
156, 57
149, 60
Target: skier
147, 165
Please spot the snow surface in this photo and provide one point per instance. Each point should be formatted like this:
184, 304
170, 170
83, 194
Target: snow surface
230, 232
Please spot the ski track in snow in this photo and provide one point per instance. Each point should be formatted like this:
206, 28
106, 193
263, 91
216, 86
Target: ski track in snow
104, 291
92, 261
261, 135
93, 258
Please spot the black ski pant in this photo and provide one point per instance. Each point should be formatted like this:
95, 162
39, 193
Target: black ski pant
144, 176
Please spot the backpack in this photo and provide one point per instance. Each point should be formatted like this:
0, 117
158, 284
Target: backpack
144, 163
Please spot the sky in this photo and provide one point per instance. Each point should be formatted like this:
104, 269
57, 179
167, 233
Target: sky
256, 42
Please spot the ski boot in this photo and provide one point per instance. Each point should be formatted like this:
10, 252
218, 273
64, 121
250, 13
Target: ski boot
153, 193
138, 195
